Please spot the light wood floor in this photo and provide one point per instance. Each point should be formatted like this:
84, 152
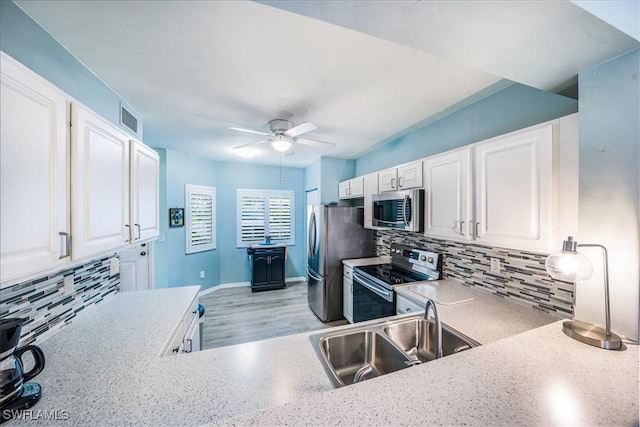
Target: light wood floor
236, 315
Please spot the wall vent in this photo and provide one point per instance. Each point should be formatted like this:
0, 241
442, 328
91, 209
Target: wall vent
128, 120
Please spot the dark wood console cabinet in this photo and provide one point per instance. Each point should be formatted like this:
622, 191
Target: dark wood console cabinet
267, 268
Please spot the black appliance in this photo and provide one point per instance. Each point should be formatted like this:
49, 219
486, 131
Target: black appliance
373, 294
15, 393
400, 210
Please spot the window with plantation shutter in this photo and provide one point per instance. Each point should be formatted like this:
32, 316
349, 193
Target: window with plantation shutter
265, 213
200, 222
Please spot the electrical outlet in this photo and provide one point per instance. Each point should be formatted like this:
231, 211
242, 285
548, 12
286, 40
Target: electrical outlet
202, 274
161, 238
495, 265
68, 284
114, 266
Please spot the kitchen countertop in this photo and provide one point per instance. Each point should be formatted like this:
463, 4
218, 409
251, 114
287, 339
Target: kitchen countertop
482, 318
104, 369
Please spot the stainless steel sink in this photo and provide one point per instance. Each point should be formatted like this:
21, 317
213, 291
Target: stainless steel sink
359, 353
417, 338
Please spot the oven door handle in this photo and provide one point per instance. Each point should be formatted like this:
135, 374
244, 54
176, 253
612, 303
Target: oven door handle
381, 292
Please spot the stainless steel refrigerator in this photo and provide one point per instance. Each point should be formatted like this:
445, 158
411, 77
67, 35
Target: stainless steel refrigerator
334, 233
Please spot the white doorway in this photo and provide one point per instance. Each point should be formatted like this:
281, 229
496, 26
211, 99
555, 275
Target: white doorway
136, 268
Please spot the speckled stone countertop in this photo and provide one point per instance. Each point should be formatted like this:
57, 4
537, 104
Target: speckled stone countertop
487, 317
104, 369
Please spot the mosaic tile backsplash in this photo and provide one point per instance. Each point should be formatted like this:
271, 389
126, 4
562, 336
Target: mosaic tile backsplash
48, 307
522, 274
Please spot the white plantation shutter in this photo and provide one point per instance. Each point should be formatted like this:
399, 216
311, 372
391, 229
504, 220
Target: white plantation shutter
265, 212
200, 218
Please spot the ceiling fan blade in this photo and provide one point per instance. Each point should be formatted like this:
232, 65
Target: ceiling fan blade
313, 142
300, 129
257, 132
249, 144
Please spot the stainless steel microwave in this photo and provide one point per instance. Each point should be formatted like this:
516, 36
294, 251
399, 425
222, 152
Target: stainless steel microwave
401, 210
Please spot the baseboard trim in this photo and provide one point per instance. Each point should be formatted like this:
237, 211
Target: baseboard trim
242, 284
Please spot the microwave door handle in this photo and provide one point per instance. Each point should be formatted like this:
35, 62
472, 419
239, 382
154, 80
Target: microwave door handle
404, 210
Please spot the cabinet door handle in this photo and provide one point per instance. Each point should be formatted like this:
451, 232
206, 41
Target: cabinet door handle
477, 232
67, 238
190, 341
129, 228
139, 231
393, 185
399, 182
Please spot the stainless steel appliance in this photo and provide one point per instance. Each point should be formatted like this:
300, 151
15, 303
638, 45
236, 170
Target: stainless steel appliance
334, 233
402, 210
15, 393
373, 295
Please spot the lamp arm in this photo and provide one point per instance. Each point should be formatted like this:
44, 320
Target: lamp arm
605, 257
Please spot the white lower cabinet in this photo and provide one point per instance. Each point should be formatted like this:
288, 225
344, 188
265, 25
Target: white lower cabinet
405, 305
186, 335
347, 293
35, 230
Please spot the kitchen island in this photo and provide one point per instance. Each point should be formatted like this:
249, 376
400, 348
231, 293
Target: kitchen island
104, 369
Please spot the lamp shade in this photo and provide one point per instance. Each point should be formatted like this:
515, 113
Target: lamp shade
281, 143
568, 266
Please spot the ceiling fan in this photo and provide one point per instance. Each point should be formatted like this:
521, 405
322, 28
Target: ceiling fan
282, 135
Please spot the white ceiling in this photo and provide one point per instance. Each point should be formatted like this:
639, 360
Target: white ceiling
192, 69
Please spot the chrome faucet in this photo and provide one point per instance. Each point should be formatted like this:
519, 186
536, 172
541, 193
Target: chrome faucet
438, 325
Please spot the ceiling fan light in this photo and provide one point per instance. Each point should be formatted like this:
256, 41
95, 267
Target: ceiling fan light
281, 143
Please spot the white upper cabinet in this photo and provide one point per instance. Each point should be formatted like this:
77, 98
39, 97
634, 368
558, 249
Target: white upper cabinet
410, 176
401, 178
388, 180
145, 191
100, 188
35, 176
447, 178
351, 188
513, 190
370, 188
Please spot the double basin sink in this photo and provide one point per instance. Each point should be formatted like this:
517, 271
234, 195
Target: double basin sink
363, 352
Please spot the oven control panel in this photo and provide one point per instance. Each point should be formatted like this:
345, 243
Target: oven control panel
413, 257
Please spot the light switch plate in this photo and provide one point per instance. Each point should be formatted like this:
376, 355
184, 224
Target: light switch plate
495, 265
202, 274
114, 266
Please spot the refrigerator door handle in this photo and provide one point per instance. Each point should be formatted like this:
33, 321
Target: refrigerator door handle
312, 235
313, 274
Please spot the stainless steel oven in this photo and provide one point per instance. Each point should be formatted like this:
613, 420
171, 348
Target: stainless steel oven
401, 210
373, 294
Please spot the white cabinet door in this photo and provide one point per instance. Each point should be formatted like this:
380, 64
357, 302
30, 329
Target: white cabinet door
388, 180
35, 178
448, 204
370, 188
100, 185
410, 176
347, 293
145, 191
351, 188
343, 190
513, 189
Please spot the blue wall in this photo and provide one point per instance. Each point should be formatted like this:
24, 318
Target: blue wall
227, 263
27, 42
513, 108
325, 174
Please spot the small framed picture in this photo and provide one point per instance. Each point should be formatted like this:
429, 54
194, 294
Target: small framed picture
176, 217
